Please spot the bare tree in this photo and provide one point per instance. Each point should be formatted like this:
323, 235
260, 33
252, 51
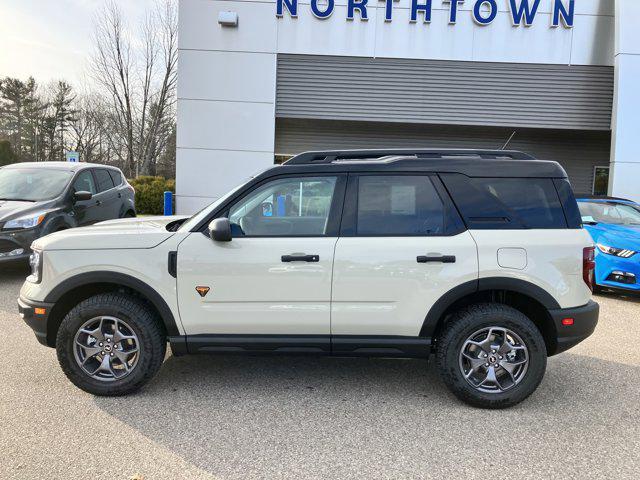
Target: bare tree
161, 50
111, 69
140, 83
89, 128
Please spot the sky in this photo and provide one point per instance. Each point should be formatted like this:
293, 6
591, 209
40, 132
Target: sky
51, 39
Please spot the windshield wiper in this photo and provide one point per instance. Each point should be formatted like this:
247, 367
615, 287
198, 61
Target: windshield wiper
17, 200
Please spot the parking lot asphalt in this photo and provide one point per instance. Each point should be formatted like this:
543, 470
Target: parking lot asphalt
234, 418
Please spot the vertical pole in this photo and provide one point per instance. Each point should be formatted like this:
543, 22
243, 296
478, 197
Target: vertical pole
300, 202
168, 203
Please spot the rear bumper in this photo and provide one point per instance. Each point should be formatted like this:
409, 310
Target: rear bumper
36, 315
585, 319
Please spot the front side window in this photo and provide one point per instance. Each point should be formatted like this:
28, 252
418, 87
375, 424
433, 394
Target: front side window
399, 205
84, 183
285, 207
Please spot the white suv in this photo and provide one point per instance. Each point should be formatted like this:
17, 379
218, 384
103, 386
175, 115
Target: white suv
476, 256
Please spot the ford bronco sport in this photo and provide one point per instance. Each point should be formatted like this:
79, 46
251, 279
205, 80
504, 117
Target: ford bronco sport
478, 257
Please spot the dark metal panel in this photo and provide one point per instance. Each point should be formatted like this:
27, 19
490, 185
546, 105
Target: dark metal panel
444, 92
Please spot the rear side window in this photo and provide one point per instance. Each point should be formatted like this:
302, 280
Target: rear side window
103, 179
506, 203
569, 204
399, 205
116, 177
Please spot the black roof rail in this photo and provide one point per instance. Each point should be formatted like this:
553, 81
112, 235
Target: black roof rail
330, 156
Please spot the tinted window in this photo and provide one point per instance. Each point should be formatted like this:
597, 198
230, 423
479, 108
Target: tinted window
116, 177
399, 205
513, 203
569, 204
285, 207
104, 179
84, 183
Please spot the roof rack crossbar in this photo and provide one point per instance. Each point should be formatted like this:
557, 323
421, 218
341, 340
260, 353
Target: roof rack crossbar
331, 156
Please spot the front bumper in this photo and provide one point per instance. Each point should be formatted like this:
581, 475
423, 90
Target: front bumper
36, 315
585, 319
607, 264
17, 240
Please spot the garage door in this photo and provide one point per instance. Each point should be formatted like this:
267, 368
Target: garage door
576, 97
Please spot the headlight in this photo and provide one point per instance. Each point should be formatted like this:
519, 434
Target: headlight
35, 262
618, 252
29, 221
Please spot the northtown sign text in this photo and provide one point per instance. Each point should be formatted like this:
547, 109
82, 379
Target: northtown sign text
484, 12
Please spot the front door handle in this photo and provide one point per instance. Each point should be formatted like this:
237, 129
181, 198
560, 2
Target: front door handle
98, 202
436, 258
300, 258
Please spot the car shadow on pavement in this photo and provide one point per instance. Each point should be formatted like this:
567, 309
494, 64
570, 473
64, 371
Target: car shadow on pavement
323, 417
11, 277
13, 271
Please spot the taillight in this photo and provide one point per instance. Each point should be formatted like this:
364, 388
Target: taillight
588, 266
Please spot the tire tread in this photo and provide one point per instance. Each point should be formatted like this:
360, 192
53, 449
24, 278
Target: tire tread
144, 319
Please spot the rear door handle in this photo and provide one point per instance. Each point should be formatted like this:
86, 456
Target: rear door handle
436, 258
98, 202
300, 258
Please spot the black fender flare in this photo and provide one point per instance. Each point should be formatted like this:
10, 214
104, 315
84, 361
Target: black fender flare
122, 279
482, 285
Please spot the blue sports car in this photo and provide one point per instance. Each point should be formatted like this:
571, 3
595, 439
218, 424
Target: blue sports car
614, 225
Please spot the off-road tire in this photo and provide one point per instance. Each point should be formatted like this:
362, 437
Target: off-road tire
138, 315
463, 324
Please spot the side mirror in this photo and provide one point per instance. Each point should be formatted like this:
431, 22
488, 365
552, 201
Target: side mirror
220, 230
82, 196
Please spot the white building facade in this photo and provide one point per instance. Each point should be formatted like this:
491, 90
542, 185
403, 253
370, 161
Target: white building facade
261, 80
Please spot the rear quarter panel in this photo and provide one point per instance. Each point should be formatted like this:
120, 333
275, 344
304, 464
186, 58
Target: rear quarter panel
553, 260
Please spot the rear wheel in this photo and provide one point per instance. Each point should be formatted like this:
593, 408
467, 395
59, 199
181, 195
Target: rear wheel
491, 355
110, 344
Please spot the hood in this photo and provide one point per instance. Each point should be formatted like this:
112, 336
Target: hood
619, 236
129, 233
14, 208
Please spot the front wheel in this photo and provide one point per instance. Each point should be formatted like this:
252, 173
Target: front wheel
491, 355
110, 344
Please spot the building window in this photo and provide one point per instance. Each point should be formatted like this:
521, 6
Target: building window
600, 180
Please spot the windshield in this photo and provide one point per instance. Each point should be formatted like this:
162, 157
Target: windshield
615, 213
32, 184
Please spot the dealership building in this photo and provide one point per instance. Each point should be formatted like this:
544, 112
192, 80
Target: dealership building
262, 80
